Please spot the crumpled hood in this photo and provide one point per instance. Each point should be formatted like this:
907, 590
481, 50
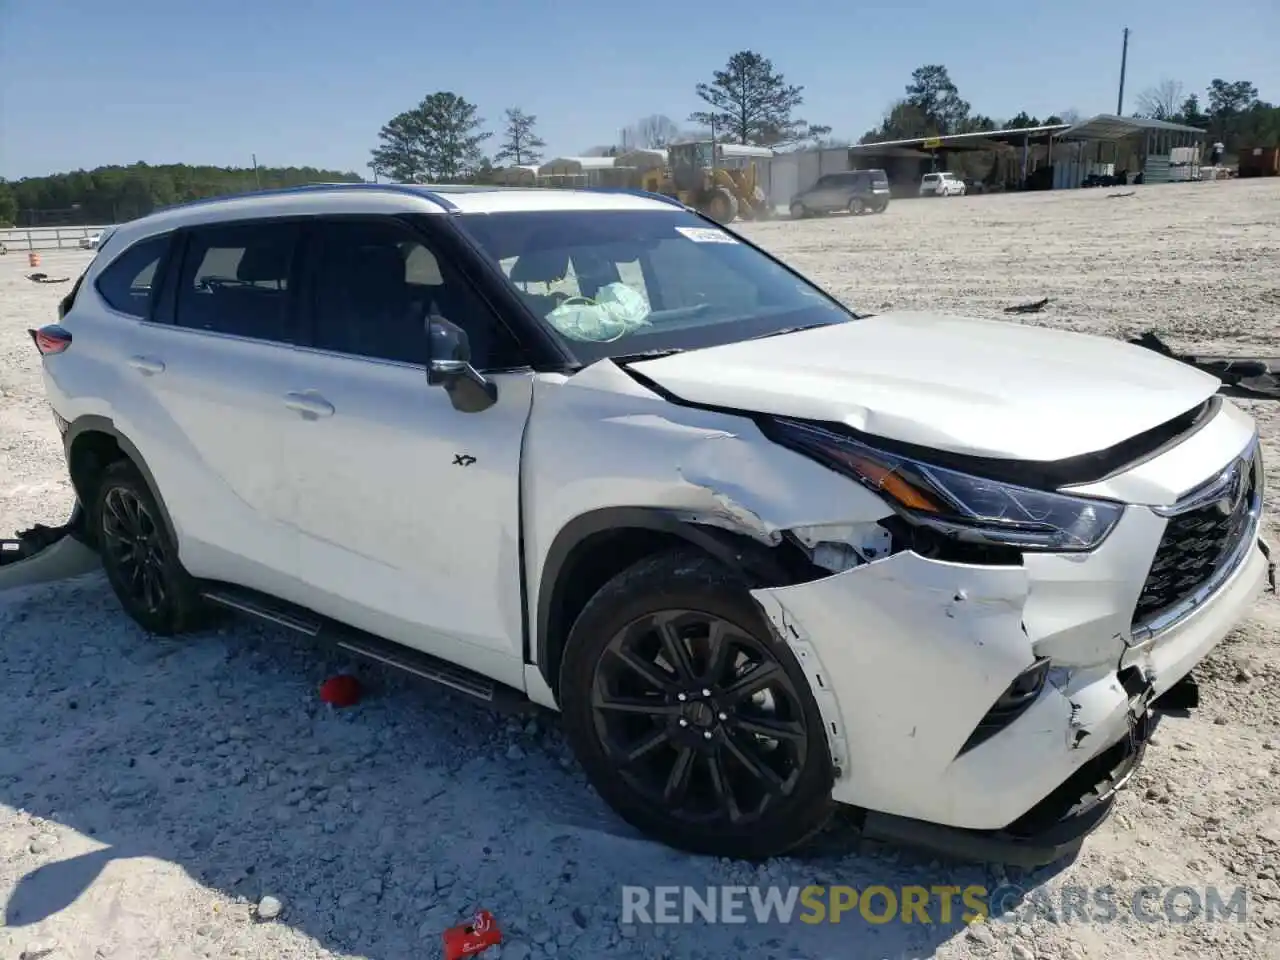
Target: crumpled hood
979, 387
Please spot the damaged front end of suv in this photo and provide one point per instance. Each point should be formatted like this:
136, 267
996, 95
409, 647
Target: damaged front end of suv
1015, 646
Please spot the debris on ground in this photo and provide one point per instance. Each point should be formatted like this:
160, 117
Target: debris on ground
269, 908
342, 690
1034, 307
1256, 375
1117, 196
471, 939
45, 278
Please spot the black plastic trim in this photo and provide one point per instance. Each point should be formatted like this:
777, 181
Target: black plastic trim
1047, 475
754, 565
1053, 829
91, 423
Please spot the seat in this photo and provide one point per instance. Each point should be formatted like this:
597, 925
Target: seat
371, 305
541, 265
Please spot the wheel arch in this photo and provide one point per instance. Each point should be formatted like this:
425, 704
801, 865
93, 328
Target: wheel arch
92, 442
594, 547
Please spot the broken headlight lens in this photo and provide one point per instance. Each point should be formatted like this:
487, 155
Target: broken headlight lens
961, 505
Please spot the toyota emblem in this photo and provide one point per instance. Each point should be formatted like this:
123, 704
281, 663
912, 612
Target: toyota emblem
1234, 492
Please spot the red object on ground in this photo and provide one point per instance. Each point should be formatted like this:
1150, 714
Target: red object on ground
469, 939
341, 691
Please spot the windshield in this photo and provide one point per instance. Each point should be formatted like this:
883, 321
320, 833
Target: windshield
617, 283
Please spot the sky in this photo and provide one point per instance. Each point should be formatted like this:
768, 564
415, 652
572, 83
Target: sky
90, 82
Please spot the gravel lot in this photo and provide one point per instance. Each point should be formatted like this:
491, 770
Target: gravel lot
151, 793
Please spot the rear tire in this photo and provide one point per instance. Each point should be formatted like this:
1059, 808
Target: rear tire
677, 729
857, 206
140, 557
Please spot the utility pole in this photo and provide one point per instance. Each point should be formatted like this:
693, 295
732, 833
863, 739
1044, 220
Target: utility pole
256, 179
1124, 60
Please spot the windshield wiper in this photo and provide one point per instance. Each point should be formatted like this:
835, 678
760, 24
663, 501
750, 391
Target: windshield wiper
646, 354
786, 330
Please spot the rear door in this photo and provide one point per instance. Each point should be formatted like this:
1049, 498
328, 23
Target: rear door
407, 509
215, 358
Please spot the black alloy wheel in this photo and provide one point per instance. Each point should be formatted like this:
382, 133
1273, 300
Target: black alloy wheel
699, 716
139, 555
133, 544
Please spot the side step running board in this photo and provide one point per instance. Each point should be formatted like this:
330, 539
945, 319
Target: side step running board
424, 665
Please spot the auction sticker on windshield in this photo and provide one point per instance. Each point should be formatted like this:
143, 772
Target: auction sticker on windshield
706, 235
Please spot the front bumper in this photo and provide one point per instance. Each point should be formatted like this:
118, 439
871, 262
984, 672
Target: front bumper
907, 655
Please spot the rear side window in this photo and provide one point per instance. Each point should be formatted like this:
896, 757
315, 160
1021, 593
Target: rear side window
127, 284
235, 280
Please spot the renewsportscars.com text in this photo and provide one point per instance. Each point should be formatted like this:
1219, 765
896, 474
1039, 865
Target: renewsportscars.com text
938, 904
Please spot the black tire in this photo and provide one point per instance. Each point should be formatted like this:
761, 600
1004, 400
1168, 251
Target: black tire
798, 211
783, 782
857, 206
139, 556
722, 206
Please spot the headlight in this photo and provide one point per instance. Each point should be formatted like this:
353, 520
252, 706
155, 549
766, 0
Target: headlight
957, 504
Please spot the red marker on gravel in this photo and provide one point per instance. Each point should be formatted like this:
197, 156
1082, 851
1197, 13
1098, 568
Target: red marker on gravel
341, 691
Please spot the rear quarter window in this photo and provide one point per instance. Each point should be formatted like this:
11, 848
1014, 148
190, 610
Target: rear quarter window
127, 283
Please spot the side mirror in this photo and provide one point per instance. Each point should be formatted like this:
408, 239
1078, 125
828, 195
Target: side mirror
449, 366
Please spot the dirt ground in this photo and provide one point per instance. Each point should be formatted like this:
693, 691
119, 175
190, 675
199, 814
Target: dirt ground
152, 793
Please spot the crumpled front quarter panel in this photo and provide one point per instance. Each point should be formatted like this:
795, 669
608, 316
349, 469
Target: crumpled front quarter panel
599, 440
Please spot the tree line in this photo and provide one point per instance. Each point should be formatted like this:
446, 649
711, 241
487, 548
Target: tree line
443, 139
1232, 113
115, 193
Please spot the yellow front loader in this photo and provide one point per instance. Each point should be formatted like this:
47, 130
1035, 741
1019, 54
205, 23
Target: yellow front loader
722, 180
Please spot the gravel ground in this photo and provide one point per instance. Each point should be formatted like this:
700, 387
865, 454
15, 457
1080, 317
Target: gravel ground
153, 793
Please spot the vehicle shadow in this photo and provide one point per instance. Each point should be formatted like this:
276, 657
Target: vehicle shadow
376, 827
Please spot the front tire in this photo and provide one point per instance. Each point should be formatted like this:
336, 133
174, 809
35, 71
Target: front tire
692, 719
139, 556
798, 211
857, 207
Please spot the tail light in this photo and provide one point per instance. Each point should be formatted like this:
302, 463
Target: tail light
51, 339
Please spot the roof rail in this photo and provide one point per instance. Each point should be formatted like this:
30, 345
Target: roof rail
315, 188
647, 194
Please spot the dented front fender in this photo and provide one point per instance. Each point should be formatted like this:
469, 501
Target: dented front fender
916, 652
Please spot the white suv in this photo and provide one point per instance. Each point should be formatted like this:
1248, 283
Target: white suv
594, 451
941, 185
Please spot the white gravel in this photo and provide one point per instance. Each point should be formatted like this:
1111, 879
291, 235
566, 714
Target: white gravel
193, 799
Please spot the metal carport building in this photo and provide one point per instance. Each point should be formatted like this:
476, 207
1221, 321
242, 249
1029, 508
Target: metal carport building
1158, 150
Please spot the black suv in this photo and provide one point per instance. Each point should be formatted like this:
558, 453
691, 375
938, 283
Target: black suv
857, 191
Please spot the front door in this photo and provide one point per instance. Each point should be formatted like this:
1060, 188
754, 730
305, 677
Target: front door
407, 510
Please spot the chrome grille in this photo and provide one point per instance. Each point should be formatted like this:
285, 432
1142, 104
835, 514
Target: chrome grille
1202, 543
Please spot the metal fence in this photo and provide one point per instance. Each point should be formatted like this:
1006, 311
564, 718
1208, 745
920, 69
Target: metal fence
46, 238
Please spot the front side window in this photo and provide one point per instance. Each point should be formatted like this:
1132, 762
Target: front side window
235, 280
377, 285
615, 283
126, 285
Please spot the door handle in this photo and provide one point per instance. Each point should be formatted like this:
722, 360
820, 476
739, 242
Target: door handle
310, 405
147, 365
